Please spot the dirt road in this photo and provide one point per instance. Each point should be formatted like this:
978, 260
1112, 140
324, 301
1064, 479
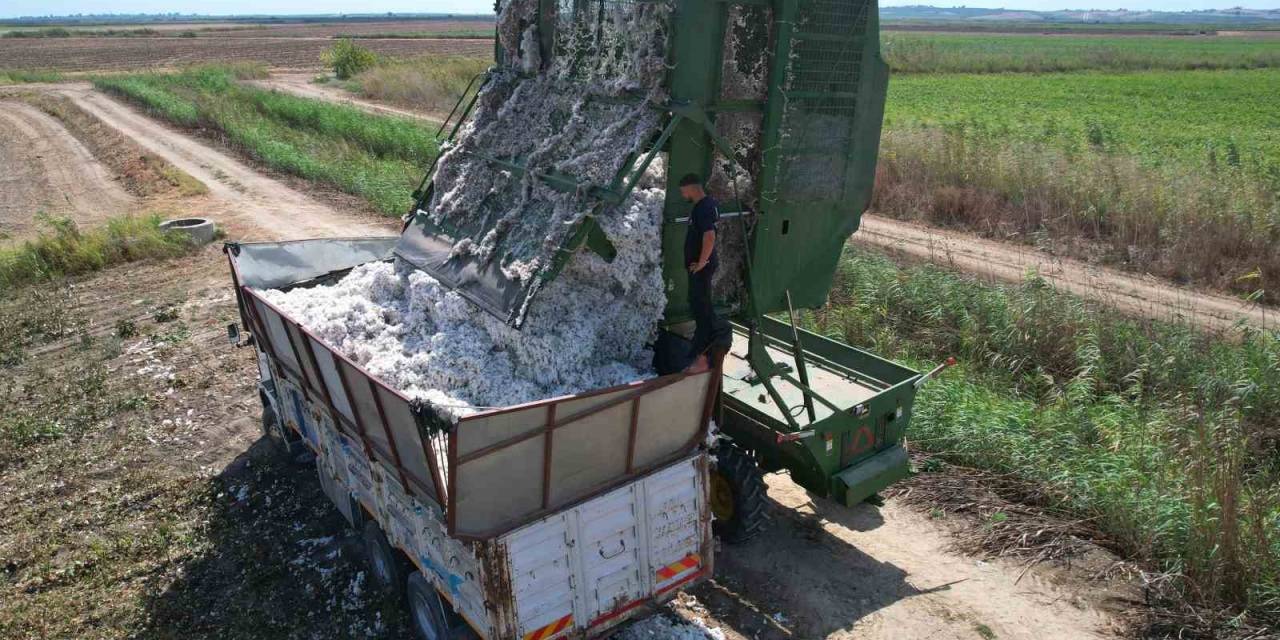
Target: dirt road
1144, 296
818, 571
300, 84
44, 169
241, 196
821, 570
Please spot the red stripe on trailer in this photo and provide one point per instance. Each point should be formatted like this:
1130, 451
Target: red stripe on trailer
550, 630
681, 582
642, 601
617, 612
678, 567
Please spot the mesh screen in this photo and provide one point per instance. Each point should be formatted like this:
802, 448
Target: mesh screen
821, 90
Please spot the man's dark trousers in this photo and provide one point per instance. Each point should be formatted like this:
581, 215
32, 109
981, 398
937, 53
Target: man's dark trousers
704, 315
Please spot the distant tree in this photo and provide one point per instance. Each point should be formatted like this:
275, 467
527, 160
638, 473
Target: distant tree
347, 58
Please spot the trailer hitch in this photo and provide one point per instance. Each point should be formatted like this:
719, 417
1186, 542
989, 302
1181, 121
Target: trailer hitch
949, 362
233, 336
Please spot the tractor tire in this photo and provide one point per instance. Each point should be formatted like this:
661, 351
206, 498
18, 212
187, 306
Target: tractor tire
384, 561
737, 495
426, 612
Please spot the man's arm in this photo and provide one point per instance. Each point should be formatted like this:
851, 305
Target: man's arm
708, 245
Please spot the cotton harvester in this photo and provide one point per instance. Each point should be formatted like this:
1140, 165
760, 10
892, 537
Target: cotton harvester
779, 103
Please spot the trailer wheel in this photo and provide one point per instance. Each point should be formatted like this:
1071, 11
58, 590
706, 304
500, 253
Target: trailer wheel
737, 495
425, 609
384, 562
271, 424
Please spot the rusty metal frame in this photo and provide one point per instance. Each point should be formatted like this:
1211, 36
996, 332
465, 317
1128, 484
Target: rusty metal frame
546, 456
428, 452
391, 436
359, 422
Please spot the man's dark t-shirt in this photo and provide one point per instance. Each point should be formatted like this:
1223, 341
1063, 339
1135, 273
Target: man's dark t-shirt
703, 219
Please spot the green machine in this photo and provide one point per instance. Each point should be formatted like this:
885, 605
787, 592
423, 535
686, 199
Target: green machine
779, 103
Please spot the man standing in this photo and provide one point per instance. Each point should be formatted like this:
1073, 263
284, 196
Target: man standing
700, 256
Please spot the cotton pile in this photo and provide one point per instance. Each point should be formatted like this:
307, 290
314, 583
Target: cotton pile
587, 329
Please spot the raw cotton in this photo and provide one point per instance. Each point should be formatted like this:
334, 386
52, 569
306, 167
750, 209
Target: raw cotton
521, 222
587, 328
661, 627
556, 114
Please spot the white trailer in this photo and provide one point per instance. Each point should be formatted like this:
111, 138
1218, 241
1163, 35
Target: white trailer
555, 519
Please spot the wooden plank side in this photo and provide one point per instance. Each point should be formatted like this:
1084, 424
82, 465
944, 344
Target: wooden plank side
328, 366
508, 467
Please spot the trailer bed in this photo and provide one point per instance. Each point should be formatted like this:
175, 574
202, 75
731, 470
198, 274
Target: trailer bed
842, 386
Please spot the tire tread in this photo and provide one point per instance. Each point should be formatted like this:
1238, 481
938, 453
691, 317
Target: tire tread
750, 500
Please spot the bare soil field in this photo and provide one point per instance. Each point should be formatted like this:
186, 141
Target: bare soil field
48, 171
118, 54
151, 26
331, 29
170, 519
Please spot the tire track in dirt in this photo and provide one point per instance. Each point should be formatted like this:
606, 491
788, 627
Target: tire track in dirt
249, 204
1146, 297
46, 169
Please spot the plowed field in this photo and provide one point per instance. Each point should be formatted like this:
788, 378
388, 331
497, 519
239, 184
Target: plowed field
109, 54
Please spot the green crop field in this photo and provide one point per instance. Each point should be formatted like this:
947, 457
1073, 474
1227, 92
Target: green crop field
1174, 173
1160, 116
916, 52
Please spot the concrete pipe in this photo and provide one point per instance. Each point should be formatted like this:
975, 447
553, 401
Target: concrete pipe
201, 230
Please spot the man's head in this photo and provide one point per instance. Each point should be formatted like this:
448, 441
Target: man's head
691, 187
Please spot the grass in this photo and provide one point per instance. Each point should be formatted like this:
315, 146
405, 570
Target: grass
1164, 437
63, 32
431, 84
1213, 227
378, 158
1110, 167
909, 52
999, 27
66, 250
22, 76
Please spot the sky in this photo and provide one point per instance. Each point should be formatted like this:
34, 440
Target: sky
15, 8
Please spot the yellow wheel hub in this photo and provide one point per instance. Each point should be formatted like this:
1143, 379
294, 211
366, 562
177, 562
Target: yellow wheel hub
721, 497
